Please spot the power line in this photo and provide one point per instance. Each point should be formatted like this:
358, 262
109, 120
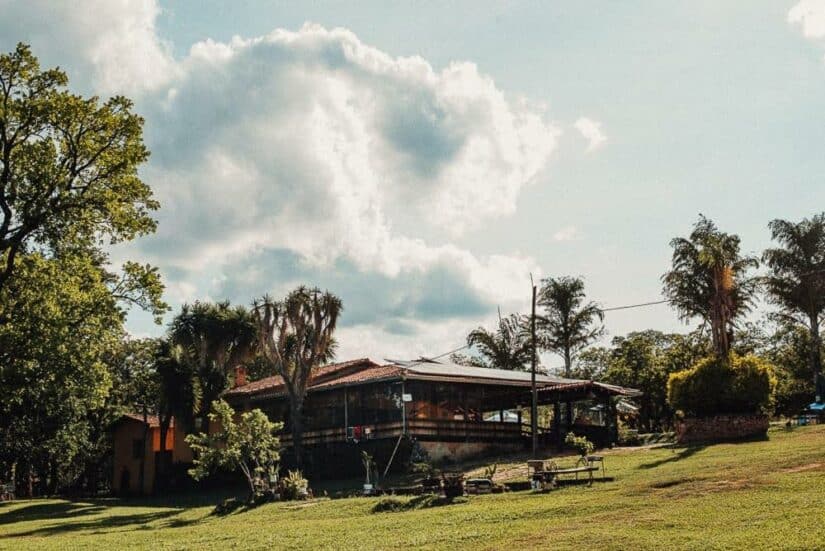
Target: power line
640, 305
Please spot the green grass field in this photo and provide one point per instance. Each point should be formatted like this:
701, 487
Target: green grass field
755, 495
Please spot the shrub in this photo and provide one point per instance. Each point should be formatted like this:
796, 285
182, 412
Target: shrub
389, 505
713, 386
579, 443
293, 486
227, 506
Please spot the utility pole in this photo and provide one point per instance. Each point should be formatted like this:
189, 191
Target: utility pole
534, 411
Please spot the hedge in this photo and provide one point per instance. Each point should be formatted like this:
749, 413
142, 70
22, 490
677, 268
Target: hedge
716, 386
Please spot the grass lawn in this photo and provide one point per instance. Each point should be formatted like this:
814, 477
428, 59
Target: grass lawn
756, 495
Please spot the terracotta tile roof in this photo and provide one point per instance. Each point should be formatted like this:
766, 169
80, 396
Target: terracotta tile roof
377, 373
275, 384
153, 420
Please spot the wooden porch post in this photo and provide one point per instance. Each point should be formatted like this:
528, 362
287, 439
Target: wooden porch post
557, 422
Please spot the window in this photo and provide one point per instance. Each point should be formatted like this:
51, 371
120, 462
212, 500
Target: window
137, 448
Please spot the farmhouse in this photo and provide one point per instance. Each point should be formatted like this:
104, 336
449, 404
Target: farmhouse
443, 410
401, 409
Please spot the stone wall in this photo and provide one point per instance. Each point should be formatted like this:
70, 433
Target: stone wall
720, 427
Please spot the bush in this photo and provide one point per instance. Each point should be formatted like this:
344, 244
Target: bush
579, 443
293, 486
227, 506
713, 386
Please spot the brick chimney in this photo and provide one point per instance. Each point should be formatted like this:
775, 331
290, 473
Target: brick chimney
240, 376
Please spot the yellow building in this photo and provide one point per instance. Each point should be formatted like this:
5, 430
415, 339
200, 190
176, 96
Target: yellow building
129, 452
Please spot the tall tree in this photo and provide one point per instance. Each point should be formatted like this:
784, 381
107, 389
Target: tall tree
568, 323
135, 387
295, 335
213, 339
508, 347
709, 279
179, 396
52, 364
796, 282
68, 184
68, 165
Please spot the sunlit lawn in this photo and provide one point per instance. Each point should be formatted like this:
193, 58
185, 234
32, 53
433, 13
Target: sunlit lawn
757, 495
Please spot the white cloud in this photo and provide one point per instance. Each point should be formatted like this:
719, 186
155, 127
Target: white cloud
111, 45
313, 144
810, 15
591, 131
567, 233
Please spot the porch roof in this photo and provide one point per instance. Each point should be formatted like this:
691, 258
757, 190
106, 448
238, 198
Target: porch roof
364, 371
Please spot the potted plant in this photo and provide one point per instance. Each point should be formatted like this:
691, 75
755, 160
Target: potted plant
453, 484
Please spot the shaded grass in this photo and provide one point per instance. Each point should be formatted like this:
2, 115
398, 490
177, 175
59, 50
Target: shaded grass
754, 495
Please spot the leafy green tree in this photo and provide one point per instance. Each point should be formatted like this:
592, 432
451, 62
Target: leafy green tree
785, 344
508, 347
644, 360
249, 444
796, 282
568, 323
295, 335
709, 279
68, 167
592, 363
135, 389
52, 364
68, 184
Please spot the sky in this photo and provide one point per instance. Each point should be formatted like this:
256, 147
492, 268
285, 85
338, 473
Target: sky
423, 159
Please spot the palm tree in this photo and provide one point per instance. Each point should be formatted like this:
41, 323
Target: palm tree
213, 339
179, 396
709, 280
568, 323
295, 335
508, 347
796, 282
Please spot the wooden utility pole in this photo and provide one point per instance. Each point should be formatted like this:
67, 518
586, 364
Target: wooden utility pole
534, 411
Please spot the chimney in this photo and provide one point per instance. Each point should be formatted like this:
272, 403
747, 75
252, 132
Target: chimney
240, 376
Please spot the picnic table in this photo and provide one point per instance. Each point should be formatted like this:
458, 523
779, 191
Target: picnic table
546, 475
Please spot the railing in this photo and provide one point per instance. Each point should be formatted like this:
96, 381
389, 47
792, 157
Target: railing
425, 429
457, 430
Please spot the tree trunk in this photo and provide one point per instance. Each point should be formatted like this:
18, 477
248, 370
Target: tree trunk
25, 486
297, 424
816, 358
568, 406
51, 489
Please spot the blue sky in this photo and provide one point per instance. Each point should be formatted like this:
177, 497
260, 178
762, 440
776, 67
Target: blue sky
424, 158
